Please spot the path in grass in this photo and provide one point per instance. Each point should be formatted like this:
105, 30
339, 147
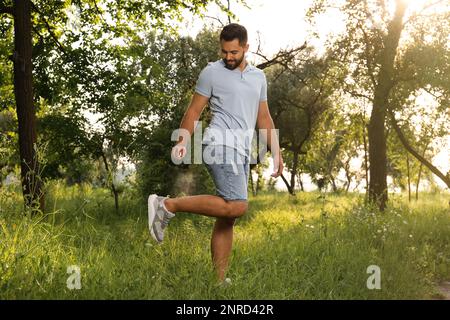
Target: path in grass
444, 291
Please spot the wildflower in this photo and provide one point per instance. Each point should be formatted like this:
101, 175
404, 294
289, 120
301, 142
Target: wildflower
226, 282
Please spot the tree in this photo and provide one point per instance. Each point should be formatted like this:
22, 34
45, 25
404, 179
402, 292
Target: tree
419, 107
8, 139
37, 17
23, 88
180, 59
369, 49
298, 96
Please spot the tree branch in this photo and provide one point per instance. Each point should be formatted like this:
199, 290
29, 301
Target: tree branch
283, 57
419, 14
217, 19
369, 65
409, 148
49, 28
228, 7
357, 94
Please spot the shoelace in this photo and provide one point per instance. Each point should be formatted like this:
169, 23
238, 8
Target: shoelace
165, 221
166, 218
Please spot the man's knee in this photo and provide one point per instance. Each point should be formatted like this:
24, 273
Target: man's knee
225, 222
237, 208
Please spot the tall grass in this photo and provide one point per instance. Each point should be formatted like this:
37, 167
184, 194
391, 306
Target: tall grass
310, 247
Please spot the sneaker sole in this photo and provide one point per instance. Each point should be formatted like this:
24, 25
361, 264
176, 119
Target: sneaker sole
151, 214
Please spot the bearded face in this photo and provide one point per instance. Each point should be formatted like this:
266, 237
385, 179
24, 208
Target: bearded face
233, 53
234, 62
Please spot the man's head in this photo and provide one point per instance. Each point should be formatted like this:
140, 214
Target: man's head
233, 43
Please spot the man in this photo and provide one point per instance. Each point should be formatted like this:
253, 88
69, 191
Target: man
237, 94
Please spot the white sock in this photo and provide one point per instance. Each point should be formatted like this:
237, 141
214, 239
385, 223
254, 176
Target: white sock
164, 206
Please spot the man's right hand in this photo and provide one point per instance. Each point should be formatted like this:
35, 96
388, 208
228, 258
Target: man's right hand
179, 151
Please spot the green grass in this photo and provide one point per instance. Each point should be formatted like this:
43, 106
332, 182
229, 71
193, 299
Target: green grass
285, 248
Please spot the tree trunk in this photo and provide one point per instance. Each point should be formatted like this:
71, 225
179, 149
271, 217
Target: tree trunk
294, 169
26, 113
289, 187
347, 187
347, 175
258, 184
366, 161
333, 183
377, 139
377, 158
113, 187
252, 185
300, 182
409, 177
418, 181
420, 172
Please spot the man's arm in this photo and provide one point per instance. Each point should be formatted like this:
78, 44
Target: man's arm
264, 121
191, 115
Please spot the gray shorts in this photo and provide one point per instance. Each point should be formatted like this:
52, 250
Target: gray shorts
229, 170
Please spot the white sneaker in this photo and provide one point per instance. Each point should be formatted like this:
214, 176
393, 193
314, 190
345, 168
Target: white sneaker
224, 283
158, 216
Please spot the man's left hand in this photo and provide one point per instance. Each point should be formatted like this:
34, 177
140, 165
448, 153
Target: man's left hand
278, 166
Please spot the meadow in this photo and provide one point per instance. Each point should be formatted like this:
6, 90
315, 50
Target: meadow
313, 246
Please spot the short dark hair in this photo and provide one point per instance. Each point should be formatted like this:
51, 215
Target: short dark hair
234, 31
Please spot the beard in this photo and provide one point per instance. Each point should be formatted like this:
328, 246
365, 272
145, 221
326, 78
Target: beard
233, 64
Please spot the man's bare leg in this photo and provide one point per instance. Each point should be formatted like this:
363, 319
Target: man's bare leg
207, 205
222, 236
221, 244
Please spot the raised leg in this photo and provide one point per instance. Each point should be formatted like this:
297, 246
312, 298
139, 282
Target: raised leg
207, 205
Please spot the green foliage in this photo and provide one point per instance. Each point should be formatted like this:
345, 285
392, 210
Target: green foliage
338, 140
90, 60
61, 130
299, 98
418, 82
181, 60
157, 174
8, 141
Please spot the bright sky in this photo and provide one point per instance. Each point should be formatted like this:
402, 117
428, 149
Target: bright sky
278, 27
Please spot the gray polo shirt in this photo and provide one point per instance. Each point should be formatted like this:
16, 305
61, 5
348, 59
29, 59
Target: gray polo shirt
234, 102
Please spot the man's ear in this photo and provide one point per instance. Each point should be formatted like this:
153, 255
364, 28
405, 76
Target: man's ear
246, 48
